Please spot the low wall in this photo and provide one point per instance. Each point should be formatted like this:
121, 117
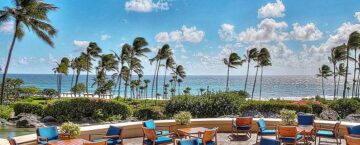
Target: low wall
133, 129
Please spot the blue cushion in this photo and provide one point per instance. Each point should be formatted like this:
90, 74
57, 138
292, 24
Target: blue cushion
159, 140
261, 124
113, 130
305, 119
354, 130
45, 142
268, 141
192, 141
49, 132
267, 131
244, 127
150, 124
200, 142
290, 139
109, 141
325, 133
163, 132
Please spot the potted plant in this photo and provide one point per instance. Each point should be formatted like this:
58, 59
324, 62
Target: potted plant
182, 120
288, 117
70, 130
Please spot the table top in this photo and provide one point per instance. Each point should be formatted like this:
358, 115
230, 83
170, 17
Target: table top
306, 129
193, 130
70, 142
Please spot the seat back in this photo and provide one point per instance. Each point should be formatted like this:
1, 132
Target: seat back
193, 141
261, 124
50, 132
305, 119
149, 133
11, 141
209, 134
352, 140
96, 143
287, 131
268, 141
354, 130
113, 130
149, 124
241, 121
336, 127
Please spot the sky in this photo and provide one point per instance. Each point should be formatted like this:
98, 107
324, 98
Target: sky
298, 34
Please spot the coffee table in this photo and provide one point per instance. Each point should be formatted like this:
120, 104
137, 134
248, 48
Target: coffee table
191, 131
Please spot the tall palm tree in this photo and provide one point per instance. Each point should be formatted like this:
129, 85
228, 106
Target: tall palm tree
92, 51
169, 64
264, 60
107, 62
80, 64
179, 81
337, 54
250, 55
73, 68
179, 72
138, 49
340, 73
122, 58
231, 62
324, 73
63, 69
256, 54
146, 82
125, 75
33, 15
353, 43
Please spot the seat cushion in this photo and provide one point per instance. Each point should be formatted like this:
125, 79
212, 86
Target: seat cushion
268, 141
290, 139
159, 140
150, 124
45, 142
355, 130
49, 132
109, 141
325, 133
193, 141
261, 124
113, 130
267, 131
244, 127
200, 142
163, 132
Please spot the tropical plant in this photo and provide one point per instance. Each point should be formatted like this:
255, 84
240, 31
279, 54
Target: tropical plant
250, 55
231, 62
337, 54
70, 129
169, 64
324, 73
341, 71
80, 65
187, 91
179, 72
92, 51
201, 91
255, 58
353, 43
146, 82
107, 63
264, 60
122, 58
78, 88
288, 117
62, 68
33, 15
183, 118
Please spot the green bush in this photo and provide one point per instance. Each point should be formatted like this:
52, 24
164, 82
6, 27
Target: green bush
78, 108
345, 106
5, 111
149, 113
183, 118
70, 129
275, 106
288, 117
26, 107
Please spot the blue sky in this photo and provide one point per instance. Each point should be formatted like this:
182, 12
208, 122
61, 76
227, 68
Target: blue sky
299, 34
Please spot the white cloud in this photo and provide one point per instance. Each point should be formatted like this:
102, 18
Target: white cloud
226, 32
146, 5
24, 60
186, 34
184, 57
308, 32
80, 45
268, 30
272, 10
105, 37
7, 27
357, 16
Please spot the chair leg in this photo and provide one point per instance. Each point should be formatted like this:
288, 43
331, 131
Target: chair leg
257, 136
337, 142
319, 140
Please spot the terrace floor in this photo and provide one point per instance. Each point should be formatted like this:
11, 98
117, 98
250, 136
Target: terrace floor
224, 139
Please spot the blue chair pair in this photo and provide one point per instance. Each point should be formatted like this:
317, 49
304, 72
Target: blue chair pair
151, 124
264, 130
113, 136
46, 135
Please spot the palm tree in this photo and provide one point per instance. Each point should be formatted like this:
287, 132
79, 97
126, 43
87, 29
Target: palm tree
179, 72
256, 55
340, 73
353, 43
187, 91
107, 62
33, 15
179, 81
63, 68
231, 62
201, 91
122, 58
324, 72
125, 75
170, 63
80, 64
146, 82
250, 55
264, 60
92, 51
73, 68
337, 54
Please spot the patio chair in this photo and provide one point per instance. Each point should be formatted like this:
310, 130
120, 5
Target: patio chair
305, 119
268, 141
113, 136
352, 140
192, 141
354, 131
96, 143
208, 137
46, 135
263, 130
11, 141
242, 125
151, 138
288, 135
331, 133
151, 124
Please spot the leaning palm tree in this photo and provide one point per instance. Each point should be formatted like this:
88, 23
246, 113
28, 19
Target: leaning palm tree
179, 81
231, 62
169, 64
125, 75
92, 51
337, 54
256, 55
324, 73
33, 15
264, 60
122, 58
146, 82
138, 49
63, 69
250, 55
353, 43
179, 72
340, 72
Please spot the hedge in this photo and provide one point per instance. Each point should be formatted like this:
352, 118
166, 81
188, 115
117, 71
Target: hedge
275, 106
27, 107
149, 113
5, 111
345, 106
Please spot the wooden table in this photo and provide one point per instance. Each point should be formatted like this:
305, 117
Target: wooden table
306, 131
70, 142
195, 130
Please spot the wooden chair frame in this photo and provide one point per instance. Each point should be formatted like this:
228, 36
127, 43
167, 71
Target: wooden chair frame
334, 129
242, 121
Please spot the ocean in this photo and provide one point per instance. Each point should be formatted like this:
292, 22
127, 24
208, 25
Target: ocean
272, 86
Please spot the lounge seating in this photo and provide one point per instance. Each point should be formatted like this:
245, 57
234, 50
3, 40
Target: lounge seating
151, 138
263, 130
151, 124
96, 143
352, 140
11, 141
46, 135
208, 138
354, 130
288, 135
242, 125
268, 141
305, 119
113, 136
332, 133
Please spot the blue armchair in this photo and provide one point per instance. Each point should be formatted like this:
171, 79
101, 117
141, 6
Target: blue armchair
305, 119
46, 135
268, 141
151, 138
113, 136
151, 124
326, 132
263, 130
354, 130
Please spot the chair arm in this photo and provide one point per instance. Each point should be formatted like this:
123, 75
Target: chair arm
271, 127
95, 134
112, 136
158, 127
42, 138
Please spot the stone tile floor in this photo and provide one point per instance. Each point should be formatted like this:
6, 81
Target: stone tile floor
228, 139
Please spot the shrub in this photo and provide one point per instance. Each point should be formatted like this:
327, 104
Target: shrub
31, 90
274, 106
345, 106
70, 129
49, 92
288, 117
26, 107
183, 118
5, 111
149, 113
79, 88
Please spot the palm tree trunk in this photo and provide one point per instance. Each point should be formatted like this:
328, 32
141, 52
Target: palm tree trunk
179, 88
60, 85
322, 85
72, 81
261, 74
8, 63
157, 79
252, 94
353, 87
146, 93
357, 85
247, 74
164, 82
126, 88
153, 81
347, 71
119, 88
334, 80
76, 80
227, 79
337, 87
